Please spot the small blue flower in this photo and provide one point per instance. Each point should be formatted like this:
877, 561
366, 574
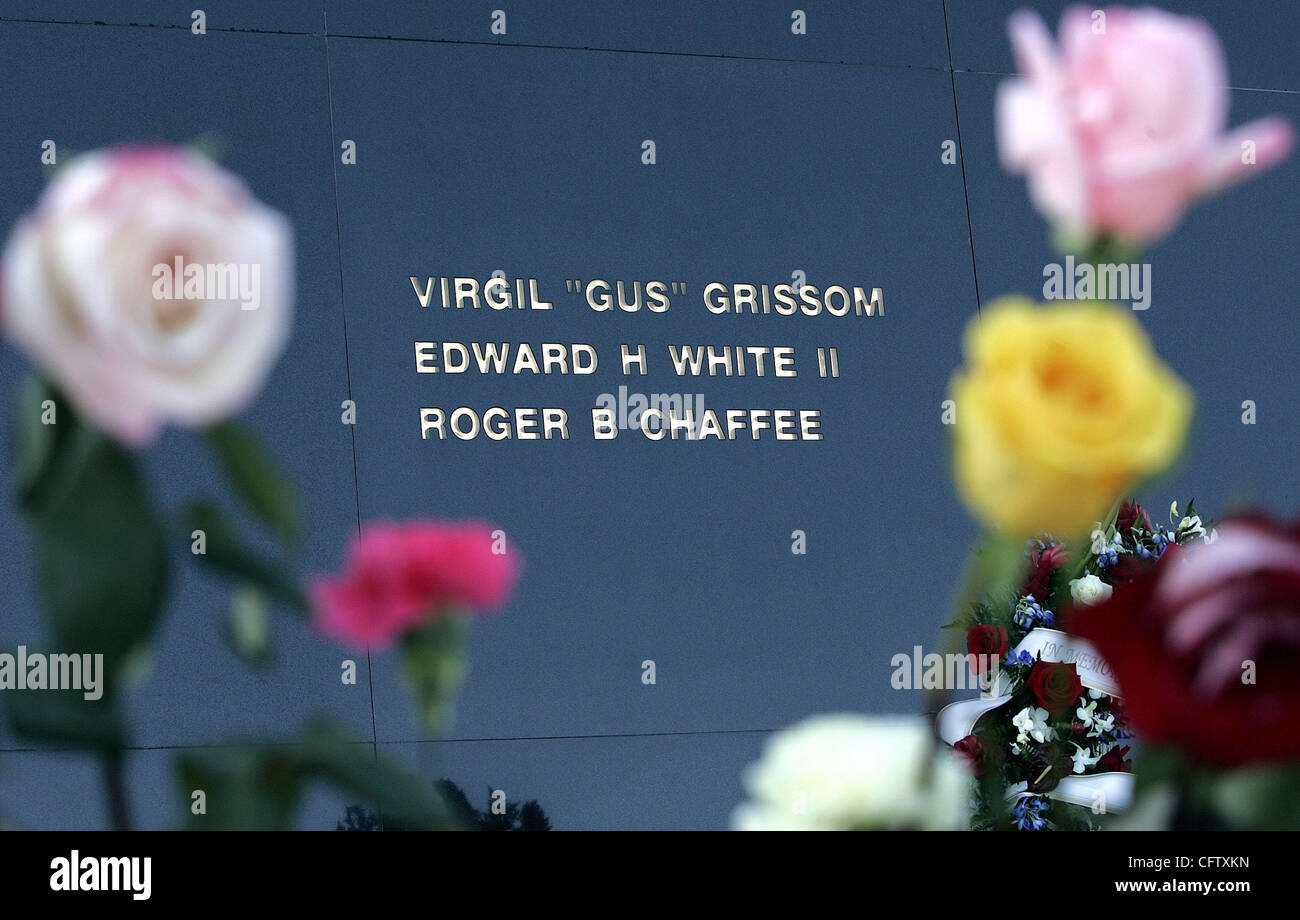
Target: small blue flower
1024, 659
1107, 559
1028, 813
1029, 613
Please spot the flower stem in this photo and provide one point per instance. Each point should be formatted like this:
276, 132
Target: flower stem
115, 790
1084, 544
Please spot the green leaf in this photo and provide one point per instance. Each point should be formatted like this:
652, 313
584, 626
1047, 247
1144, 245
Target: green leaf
248, 625
1265, 797
35, 443
66, 717
354, 768
433, 668
100, 559
210, 146
226, 553
101, 555
259, 786
257, 479
1157, 766
245, 787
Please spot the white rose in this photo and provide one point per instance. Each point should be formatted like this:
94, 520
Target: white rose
1089, 590
80, 290
845, 772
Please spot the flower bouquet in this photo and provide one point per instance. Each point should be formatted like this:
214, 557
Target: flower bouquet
1048, 742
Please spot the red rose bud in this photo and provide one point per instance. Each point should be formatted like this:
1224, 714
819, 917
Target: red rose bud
1113, 761
1056, 686
970, 750
1205, 645
985, 642
1130, 514
1129, 568
1043, 562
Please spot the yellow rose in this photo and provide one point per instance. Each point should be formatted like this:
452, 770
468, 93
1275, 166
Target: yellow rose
1060, 410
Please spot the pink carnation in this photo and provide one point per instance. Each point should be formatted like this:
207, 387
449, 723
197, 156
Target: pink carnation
400, 577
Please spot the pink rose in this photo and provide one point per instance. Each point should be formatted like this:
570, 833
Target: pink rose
1120, 128
400, 577
92, 292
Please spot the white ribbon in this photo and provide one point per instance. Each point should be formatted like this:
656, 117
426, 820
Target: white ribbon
957, 720
1113, 791
1056, 646
1107, 791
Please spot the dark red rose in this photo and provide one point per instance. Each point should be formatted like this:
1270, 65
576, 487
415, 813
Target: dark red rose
1043, 562
1056, 686
981, 757
971, 750
1205, 645
1129, 568
987, 640
1113, 761
1130, 514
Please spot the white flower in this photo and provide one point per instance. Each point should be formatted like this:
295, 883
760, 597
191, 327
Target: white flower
1212, 536
843, 772
1082, 760
1089, 590
81, 295
1101, 723
1097, 723
1192, 526
1032, 722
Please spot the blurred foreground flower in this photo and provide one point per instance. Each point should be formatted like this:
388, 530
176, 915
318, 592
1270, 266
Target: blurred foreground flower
1206, 645
412, 584
1059, 410
1120, 128
150, 287
401, 577
850, 772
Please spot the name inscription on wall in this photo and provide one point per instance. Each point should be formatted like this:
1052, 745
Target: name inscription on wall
653, 416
